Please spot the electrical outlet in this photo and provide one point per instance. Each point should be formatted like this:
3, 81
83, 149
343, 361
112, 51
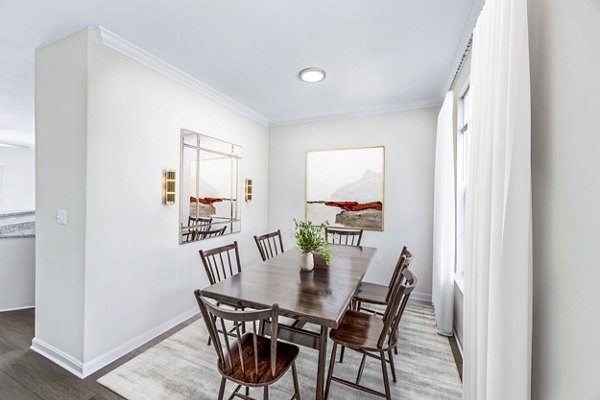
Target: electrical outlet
377, 257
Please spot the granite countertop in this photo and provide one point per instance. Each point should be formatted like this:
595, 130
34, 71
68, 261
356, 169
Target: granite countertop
17, 224
7, 214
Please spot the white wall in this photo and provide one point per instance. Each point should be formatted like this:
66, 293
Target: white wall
17, 178
409, 140
565, 61
60, 113
137, 276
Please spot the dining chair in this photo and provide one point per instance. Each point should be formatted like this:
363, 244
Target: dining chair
210, 233
196, 226
343, 236
220, 263
374, 293
252, 360
269, 245
373, 336
377, 294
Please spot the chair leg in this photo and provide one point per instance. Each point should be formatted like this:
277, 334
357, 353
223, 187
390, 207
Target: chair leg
266, 395
330, 373
296, 384
247, 391
222, 389
386, 379
342, 354
396, 350
361, 369
392, 365
209, 342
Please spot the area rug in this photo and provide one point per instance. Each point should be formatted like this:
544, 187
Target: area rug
183, 367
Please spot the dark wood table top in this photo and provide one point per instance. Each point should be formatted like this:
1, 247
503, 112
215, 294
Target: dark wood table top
320, 296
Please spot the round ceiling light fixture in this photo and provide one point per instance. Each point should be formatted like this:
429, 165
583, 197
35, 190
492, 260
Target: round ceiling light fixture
312, 75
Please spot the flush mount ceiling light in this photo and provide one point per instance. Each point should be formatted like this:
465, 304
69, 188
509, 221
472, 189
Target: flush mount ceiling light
312, 75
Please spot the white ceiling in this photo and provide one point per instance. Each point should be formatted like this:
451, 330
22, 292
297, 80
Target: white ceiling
382, 55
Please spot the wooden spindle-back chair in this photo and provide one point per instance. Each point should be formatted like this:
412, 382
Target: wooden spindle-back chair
221, 262
269, 245
343, 236
373, 336
374, 293
248, 359
210, 233
196, 226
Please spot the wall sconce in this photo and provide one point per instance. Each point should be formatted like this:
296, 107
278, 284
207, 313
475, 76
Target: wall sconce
248, 189
169, 187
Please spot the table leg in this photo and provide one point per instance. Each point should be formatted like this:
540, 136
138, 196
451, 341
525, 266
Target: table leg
322, 359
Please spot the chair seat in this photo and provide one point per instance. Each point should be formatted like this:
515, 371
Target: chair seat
286, 354
374, 293
359, 330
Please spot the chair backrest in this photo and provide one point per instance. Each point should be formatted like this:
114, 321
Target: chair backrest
198, 225
215, 318
220, 263
401, 289
269, 244
212, 233
347, 237
404, 261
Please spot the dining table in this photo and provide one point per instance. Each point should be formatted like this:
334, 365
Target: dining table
319, 297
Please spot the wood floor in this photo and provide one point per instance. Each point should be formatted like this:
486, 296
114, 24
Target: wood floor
25, 375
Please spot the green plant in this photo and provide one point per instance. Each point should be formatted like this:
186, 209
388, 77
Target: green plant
311, 238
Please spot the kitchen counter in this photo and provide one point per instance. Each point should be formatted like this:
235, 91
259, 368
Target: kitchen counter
17, 224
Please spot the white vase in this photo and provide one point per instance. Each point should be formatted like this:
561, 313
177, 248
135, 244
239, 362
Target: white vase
308, 262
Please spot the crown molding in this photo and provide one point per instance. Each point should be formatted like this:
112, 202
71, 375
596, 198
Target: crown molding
123, 46
362, 112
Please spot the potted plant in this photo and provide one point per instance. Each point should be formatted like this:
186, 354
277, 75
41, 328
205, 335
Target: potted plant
311, 240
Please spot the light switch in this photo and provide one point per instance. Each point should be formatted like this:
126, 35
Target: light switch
61, 217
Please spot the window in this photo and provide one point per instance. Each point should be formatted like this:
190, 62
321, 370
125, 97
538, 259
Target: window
462, 166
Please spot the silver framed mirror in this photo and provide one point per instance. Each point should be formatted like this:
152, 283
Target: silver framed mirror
210, 182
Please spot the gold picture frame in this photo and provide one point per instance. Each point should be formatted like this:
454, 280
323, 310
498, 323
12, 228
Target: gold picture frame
349, 189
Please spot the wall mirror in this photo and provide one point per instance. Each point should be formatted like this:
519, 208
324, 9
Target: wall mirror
210, 185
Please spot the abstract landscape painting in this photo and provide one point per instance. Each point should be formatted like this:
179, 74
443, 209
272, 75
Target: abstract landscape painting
345, 187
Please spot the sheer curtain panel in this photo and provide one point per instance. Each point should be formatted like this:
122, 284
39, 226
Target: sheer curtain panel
498, 250
444, 220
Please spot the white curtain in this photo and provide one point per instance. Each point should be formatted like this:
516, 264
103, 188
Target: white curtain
444, 220
498, 271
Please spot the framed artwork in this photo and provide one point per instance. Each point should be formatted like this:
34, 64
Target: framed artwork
345, 187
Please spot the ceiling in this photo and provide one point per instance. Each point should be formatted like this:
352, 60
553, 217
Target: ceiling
383, 55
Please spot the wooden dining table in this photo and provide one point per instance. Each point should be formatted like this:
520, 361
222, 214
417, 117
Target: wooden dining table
319, 297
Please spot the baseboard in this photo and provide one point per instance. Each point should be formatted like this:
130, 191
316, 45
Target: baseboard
426, 297
17, 308
459, 341
58, 357
82, 370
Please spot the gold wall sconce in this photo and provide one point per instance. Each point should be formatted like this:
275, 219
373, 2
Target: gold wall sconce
169, 187
248, 189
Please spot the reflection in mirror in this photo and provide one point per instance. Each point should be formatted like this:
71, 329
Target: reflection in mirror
210, 186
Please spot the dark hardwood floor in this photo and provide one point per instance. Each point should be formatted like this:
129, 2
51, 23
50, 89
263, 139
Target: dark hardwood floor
25, 375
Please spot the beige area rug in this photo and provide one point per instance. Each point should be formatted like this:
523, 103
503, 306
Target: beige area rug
183, 367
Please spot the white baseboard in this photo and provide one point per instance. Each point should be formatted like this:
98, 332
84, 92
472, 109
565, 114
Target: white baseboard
82, 370
17, 308
58, 357
421, 297
459, 342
